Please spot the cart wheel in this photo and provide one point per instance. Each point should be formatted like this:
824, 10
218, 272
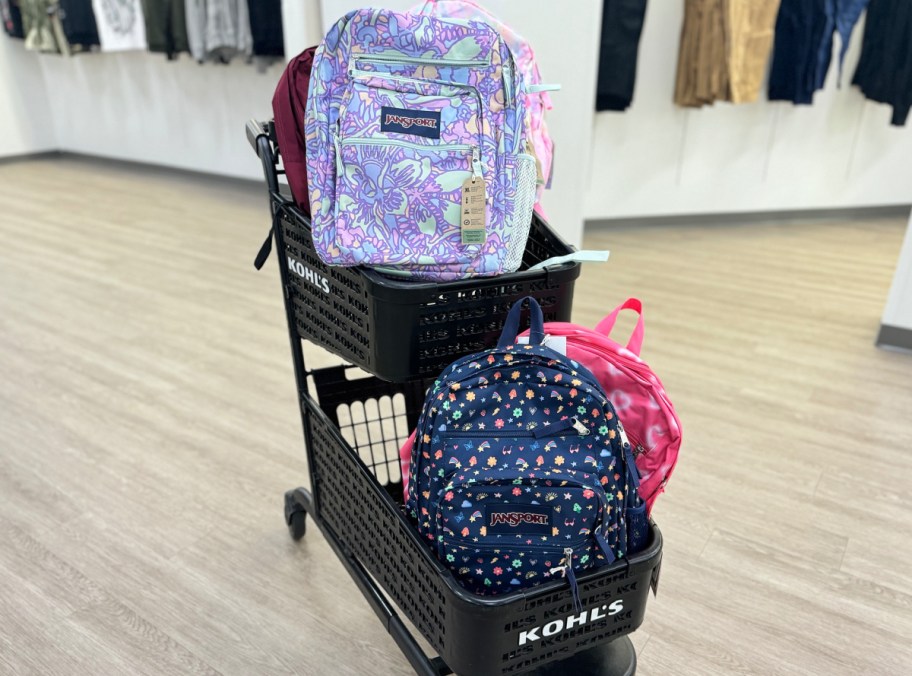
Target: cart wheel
297, 524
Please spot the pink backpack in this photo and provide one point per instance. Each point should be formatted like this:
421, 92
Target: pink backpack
649, 419
538, 101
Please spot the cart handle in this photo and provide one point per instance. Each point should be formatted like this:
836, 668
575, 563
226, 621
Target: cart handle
255, 130
258, 137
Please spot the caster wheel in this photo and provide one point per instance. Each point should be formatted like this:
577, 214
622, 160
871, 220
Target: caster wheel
297, 524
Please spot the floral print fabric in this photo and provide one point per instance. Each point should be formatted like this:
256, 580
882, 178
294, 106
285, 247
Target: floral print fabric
390, 196
519, 470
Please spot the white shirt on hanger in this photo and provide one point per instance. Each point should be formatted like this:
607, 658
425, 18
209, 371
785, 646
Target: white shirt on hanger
121, 25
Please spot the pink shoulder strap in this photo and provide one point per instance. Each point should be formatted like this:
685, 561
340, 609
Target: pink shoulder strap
635, 344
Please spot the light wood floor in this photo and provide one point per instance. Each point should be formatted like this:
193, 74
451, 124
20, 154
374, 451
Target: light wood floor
148, 428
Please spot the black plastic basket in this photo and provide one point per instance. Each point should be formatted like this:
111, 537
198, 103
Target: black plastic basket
355, 432
400, 330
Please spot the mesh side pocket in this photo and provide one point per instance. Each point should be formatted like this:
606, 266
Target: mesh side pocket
519, 208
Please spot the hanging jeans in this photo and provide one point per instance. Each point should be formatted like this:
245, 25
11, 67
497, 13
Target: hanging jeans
804, 44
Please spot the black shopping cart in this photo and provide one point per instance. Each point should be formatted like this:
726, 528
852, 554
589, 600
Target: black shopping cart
404, 334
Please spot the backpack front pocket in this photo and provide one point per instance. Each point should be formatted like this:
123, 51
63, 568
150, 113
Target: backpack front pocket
399, 202
392, 106
503, 529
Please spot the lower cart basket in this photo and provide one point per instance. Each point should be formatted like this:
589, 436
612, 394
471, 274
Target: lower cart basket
353, 436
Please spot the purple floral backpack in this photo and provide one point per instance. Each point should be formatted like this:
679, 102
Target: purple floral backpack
416, 147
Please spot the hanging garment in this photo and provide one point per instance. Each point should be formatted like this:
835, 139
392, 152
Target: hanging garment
11, 16
622, 25
166, 26
218, 30
702, 66
725, 46
121, 26
78, 22
800, 27
804, 44
748, 27
266, 27
38, 27
841, 16
884, 71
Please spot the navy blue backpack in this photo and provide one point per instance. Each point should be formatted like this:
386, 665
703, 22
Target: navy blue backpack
521, 473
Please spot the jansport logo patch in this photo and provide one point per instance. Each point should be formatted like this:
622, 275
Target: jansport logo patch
516, 518
519, 519
416, 122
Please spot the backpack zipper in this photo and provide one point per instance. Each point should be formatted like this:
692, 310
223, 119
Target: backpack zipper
446, 148
470, 150
458, 542
507, 71
535, 433
393, 57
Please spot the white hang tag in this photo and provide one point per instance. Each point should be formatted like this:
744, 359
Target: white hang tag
556, 343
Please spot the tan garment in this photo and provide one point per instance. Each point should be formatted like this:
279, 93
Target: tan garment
749, 28
725, 46
702, 71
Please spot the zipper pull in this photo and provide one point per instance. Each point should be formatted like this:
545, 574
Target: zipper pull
339, 168
564, 562
604, 546
476, 164
632, 468
556, 429
580, 427
567, 568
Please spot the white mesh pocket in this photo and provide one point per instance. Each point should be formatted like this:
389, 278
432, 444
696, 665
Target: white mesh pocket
519, 212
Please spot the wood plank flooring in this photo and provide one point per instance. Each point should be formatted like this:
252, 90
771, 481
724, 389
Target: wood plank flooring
148, 429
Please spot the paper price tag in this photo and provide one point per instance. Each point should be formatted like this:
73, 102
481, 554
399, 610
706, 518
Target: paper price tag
556, 343
472, 211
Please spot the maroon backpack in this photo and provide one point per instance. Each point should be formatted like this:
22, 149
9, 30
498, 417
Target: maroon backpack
288, 104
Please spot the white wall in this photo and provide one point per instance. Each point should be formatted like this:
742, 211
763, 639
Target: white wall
652, 160
566, 44
139, 106
25, 117
657, 159
898, 311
